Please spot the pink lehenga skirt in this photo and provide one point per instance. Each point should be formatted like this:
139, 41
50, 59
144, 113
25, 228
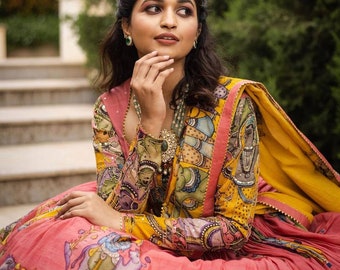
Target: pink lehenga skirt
39, 241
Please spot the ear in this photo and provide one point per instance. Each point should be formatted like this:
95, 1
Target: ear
125, 26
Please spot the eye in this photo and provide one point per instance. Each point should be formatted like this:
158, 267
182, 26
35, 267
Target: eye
185, 11
152, 9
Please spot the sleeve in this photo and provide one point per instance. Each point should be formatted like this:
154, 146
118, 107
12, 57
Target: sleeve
108, 152
124, 184
235, 199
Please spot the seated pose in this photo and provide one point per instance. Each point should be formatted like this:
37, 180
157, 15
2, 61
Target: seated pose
195, 170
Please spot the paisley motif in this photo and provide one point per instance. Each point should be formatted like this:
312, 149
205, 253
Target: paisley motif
193, 181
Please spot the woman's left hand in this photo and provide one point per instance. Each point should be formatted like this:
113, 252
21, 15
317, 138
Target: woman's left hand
90, 206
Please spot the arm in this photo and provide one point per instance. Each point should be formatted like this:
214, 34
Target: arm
235, 199
230, 226
114, 173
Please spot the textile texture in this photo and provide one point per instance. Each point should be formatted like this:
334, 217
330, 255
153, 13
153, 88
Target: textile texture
293, 223
41, 242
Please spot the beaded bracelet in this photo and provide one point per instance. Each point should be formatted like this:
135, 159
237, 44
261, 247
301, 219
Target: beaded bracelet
126, 218
121, 222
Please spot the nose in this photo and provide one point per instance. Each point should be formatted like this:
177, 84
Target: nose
169, 19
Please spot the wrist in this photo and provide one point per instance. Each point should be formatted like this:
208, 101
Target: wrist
125, 217
155, 134
148, 147
121, 222
151, 129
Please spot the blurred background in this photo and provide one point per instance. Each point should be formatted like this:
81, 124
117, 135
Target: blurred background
32, 27
292, 46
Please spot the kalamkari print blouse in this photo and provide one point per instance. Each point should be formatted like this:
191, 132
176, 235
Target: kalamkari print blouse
179, 225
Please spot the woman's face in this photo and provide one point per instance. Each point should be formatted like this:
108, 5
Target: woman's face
167, 26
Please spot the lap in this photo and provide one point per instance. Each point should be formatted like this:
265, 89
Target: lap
39, 241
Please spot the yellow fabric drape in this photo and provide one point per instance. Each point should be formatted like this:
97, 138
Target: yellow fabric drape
305, 181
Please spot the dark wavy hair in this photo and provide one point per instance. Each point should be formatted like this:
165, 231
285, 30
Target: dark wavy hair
202, 65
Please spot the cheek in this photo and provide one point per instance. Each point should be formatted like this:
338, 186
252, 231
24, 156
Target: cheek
141, 32
141, 24
190, 33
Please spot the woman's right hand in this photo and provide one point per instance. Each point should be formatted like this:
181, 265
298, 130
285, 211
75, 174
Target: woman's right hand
147, 81
90, 206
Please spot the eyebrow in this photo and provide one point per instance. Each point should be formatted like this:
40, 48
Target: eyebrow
179, 1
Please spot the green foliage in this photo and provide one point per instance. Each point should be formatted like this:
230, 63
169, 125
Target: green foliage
25, 31
30, 22
90, 40
91, 30
28, 7
293, 47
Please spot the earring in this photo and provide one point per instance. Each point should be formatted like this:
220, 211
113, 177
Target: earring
195, 44
128, 41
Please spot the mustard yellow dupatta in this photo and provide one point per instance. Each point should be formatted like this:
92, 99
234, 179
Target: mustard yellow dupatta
305, 182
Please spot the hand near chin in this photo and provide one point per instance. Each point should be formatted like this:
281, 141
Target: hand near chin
149, 75
90, 206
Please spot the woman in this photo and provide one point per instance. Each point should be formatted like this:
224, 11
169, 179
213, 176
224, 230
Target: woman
194, 170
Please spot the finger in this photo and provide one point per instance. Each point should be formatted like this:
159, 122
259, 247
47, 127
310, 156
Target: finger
149, 55
63, 200
142, 66
72, 195
144, 84
153, 84
77, 210
83, 208
157, 68
143, 59
72, 203
71, 213
159, 81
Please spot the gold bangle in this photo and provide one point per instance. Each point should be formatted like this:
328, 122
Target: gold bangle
121, 222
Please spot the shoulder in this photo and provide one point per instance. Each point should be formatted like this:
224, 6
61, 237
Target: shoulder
232, 82
234, 93
121, 91
230, 86
226, 85
226, 80
115, 99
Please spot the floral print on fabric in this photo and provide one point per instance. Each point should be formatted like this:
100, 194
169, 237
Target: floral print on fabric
111, 251
74, 243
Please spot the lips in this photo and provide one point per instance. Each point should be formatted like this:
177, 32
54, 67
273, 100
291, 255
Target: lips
167, 36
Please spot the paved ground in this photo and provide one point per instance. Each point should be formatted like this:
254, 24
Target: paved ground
8, 214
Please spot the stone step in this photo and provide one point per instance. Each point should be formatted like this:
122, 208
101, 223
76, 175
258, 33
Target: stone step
33, 124
46, 91
33, 173
34, 68
9, 214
